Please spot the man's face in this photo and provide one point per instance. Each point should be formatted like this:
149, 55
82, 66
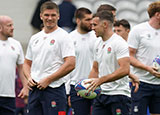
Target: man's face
7, 28
50, 18
123, 32
97, 26
85, 23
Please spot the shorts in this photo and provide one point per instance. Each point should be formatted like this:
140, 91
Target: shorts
49, 101
80, 106
7, 106
111, 105
148, 95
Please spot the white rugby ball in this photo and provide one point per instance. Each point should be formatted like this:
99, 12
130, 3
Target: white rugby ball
80, 87
156, 63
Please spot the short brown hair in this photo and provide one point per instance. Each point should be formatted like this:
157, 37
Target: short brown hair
81, 12
106, 7
153, 8
105, 15
49, 5
122, 22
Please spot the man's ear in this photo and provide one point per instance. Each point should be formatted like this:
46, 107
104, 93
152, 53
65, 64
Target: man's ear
78, 20
157, 14
0, 27
128, 30
105, 24
41, 16
58, 17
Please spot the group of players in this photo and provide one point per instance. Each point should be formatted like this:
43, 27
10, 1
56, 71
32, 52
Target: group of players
93, 50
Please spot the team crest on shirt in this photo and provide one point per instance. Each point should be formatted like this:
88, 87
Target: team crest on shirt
53, 104
12, 48
109, 50
118, 111
52, 42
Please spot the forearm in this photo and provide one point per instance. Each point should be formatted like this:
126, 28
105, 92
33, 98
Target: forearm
66, 68
93, 74
119, 73
21, 75
27, 69
136, 63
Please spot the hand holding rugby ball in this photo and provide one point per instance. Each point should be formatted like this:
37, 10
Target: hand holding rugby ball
156, 63
81, 86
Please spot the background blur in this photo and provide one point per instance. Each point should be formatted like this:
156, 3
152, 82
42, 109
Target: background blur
21, 11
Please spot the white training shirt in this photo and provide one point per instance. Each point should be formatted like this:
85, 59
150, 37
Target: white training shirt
47, 53
146, 40
107, 55
84, 46
11, 54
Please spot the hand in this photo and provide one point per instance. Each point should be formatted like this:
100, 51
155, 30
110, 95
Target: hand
24, 92
94, 83
69, 101
31, 83
43, 83
154, 71
135, 82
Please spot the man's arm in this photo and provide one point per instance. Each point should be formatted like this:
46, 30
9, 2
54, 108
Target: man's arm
122, 71
140, 65
24, 91
67, 67
27, 70
135, 82
94, 72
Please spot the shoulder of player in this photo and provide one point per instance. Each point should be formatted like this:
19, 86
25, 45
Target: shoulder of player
14, 41
140, 26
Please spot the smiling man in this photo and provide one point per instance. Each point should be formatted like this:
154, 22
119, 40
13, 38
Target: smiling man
49, 57
110, 68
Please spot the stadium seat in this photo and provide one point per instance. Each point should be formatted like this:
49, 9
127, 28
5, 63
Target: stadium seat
129, 15
143, 16
83, 3
143, 5
57, 1
100, 2
125, 5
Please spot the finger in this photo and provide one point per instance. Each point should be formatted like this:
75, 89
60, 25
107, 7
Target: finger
29, 88
91, 84
92, 88
136, 87
40, 87
86, 82
31, 84
20, 94
133, 84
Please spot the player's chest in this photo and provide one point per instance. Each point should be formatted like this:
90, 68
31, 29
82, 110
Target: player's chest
150, 40
44, 45
8, 51
83, 45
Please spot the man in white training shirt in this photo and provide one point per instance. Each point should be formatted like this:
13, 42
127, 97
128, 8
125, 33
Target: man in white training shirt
11, 56
144, 46
49, 57
84, 39
110, 68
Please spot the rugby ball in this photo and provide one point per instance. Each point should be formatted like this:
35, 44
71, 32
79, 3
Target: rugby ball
156, 63
80, 87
